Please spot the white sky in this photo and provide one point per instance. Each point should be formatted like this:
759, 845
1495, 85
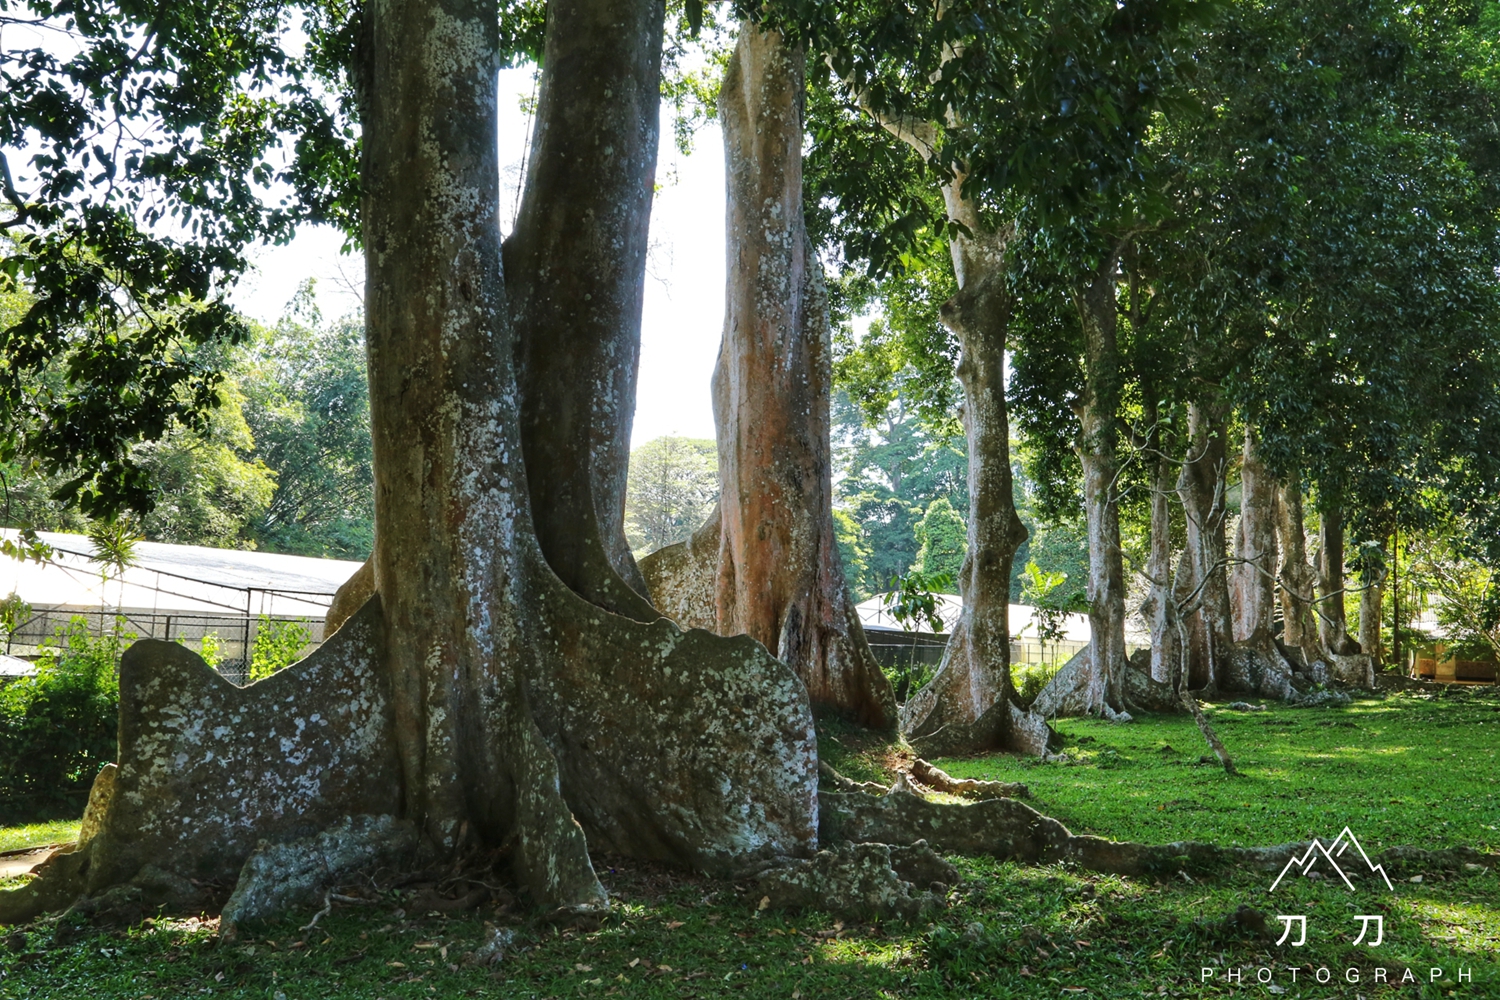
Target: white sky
684, 308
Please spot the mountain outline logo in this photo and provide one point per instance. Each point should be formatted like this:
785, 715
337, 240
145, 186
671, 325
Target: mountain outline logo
1331, 853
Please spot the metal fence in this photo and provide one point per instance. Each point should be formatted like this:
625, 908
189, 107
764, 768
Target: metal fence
904, 650
234, 635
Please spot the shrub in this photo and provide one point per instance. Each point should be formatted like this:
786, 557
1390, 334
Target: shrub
278, 644
1031, 678
211, 649
59, 727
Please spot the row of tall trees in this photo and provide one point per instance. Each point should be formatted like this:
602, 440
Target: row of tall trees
1272, 275
1043, 172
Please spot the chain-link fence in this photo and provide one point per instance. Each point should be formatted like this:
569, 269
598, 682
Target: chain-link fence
231, 637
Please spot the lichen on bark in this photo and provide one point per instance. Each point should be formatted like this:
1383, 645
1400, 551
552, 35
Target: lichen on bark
500, 687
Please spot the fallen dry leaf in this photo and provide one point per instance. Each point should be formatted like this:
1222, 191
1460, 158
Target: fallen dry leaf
580, 967
672, 925
765, 903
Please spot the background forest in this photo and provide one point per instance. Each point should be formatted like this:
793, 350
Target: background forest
281, 464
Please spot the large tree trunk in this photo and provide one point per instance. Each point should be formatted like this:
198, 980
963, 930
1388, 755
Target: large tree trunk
1203, 591
970, 703
573, 270
1253, 580
780, 578
1297, 578
477, 697
1098, 414
1333, 623
519, 705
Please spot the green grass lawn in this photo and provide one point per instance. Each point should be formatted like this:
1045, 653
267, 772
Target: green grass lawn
57, 831
1403, 770
1009, 931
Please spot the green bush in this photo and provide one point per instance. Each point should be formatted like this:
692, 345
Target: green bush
278, 644
1030, 678
59, 727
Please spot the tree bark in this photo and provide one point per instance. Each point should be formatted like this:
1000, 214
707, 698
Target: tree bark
970, 703
1253, 580
1371, 597
1098, 414
1160, 608
1333, 623
1297, 577
1203, 591
780, 578
574, 268
476, 698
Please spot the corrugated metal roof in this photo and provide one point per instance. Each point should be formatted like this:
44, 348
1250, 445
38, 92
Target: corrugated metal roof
187, 578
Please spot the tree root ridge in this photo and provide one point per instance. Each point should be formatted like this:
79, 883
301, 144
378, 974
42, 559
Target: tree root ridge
1007, 829
296, 874
207, 771
860, 881
682, 747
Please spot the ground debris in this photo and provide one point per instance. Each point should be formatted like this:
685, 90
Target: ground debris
491, 950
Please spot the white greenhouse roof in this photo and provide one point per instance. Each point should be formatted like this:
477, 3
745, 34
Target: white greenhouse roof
14, 666
176, 578
1023, 624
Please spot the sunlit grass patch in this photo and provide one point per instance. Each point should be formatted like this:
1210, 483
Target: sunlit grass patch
1399, 771
15, 838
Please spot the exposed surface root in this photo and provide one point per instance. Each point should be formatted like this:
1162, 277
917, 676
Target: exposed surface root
1005, 828
941, 781
279, 877
858, 881
839, 782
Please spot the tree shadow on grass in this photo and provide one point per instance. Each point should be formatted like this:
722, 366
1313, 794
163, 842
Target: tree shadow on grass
1009, 931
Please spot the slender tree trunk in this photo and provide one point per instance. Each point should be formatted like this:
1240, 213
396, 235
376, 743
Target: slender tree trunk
1371, 597
1297, 578
780, 578
1333, 623
578, 326
970, 703
1098, 414
1204, 587
1160, 607
1253, 579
